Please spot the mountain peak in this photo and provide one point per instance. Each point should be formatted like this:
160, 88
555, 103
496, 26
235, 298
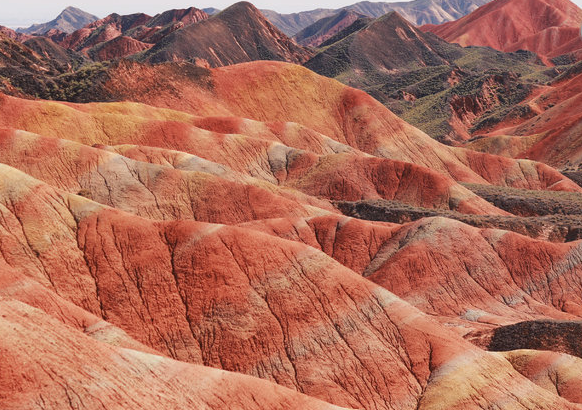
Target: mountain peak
327, 27
240, 33
418, 12
241, 7
186, 16
389, 42
541, 26
393, 18
71, 9
394, 27
69, 20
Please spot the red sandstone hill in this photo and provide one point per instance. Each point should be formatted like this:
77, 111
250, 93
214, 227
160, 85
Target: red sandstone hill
181, 246
42, 355
544, 127
117, 47
118, 36
348, 116
35, 56
288, 313
8, 32
547, 27
237, 34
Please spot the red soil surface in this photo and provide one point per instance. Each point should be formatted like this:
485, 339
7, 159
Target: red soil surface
186, 253
235, 299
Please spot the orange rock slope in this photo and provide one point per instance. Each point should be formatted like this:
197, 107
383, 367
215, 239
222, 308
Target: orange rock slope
549, 132
549, 28
113, 377
184, 251
242, 301
341, 114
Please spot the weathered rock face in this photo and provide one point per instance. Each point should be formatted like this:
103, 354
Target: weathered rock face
245, 301
117, 48
42, 357
16, 57
142, 245
29, 64
548, 132
468, 109
471, 278
186, 186
8, 32
558, 373
501, 280
341, 114
151, 190
549, 28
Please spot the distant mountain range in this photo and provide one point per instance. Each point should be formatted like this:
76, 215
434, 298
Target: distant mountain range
237, 34
417, 75
322, 30
69, 20
439, 87
550, 28
418, 12
118, 36
210, 10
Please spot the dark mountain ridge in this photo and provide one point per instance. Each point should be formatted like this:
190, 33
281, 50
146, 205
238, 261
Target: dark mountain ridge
237, 34
439, 87
417, 11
